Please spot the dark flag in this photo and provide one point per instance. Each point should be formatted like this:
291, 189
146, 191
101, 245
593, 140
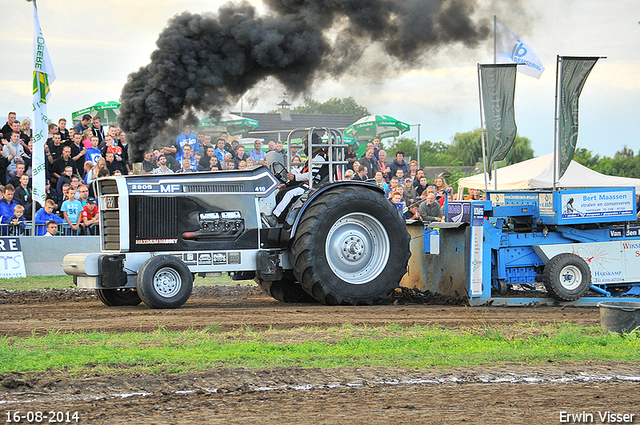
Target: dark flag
498, 85
573, 74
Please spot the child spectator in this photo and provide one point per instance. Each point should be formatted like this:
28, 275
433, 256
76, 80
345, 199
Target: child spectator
46, 215
52, 228
17, 222
93, 153
90, 218
71, 211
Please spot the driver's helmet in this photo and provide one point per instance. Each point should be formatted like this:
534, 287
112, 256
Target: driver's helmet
316, 140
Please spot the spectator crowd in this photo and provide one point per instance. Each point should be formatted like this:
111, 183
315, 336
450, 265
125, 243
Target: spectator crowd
77, 156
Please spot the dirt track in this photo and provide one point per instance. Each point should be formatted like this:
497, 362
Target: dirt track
505, 394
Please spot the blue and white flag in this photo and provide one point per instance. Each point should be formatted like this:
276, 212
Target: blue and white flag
43, 77
510, 48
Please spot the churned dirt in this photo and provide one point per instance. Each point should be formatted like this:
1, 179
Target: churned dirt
504, 394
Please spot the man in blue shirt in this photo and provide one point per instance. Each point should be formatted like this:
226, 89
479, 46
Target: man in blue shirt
187, 138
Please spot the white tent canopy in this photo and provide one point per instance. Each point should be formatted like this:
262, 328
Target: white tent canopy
537, 173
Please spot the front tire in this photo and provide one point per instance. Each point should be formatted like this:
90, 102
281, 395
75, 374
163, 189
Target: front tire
567, 277
164, 281
351, 247
118, 297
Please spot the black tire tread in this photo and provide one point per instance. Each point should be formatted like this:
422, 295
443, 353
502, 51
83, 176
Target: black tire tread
118, 297
552, 270
305, 262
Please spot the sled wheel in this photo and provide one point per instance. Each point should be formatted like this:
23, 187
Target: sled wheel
118, 297
351, 247
503, 287
164, 281
567, 277
286, 290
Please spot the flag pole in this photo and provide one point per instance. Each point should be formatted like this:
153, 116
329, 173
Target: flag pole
495, 60
555, 129
484, 155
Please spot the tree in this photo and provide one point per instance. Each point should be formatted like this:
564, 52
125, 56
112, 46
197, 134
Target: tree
343, 106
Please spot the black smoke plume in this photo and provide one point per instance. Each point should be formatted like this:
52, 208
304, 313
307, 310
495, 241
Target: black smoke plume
206, 62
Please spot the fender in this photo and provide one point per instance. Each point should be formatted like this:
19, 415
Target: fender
293, 218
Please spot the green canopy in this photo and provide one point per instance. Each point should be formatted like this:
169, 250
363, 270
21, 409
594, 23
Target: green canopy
383, 126
231, 123
107, 111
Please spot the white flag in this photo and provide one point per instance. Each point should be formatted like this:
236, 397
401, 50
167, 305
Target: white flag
43, 77
510, 48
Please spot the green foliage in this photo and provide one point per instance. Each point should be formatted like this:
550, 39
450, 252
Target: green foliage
342, 106
390, 346
624, 162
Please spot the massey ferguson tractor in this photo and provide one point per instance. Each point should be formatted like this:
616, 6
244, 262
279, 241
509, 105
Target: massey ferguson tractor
339, 242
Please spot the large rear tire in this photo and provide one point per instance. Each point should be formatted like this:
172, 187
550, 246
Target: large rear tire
286, 290
567, 277
351, 247
118, 297
164, 281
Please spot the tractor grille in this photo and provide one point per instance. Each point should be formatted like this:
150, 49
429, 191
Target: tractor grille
208, 188
155, 217
109, 214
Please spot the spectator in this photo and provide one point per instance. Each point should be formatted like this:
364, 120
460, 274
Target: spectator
209, 152
83, 124
398, 163
112, 164
86, 139
242, 165
83, 190
6, 128
280, 148
162, 166
78, 152
348, 175
220, 152
13, 152
256, 153
71, 211
376, 148
382, 165
52, 228
448, 194
416, 180
186, 138
90, 218
188, 154
412, 212
95, 173
296, 164
25, 128
350, 156
368, 162
62, 129
250, 162
396, 199
393, 184
186, 166
7, 204
380, 181
240, 155
422, 186
361, 175
147, 164
17, 222
59, 165
409, 192
93, 153
22, 194
20, 169
98, 131
228, 161
214, 164
441, 186
271, 146
430, 210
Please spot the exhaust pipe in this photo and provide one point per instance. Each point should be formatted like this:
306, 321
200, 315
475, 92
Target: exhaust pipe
137, 168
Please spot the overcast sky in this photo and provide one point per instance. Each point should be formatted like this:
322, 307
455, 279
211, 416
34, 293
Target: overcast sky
95, 45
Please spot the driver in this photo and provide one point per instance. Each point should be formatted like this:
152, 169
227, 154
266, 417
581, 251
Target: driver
298, 183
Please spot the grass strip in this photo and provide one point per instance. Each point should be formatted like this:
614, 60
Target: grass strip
417, 347
59, 282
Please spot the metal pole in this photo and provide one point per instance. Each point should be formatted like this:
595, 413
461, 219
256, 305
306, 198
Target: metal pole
555, 128
484, 154
418, 156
